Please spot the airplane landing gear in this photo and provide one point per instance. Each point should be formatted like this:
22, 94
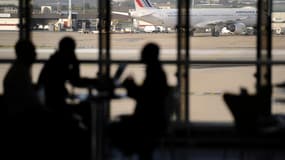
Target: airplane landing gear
192, 32
216, 31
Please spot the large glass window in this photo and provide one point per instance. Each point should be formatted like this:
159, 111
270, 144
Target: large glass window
223, 44
228, 42
278, 31
8, 33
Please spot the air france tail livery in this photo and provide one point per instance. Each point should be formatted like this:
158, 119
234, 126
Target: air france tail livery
234, 19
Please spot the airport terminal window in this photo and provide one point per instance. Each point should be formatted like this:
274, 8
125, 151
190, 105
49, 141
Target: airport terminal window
8, 35
212, 63
208, 86
128, 37
53, 21
208, 82
137, 31
278, 31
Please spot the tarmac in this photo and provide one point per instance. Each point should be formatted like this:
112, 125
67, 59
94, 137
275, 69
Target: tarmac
45, 39
207, 83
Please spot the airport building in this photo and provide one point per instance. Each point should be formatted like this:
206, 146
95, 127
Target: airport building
9, 2
278, 22
218, 98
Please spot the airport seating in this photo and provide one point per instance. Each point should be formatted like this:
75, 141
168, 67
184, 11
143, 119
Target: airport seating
250, 113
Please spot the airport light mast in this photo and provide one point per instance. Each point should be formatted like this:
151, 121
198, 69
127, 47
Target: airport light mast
58, 7
69, 14
83, 7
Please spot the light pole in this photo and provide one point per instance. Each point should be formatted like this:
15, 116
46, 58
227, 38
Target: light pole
83, 8
69, 14
58, 7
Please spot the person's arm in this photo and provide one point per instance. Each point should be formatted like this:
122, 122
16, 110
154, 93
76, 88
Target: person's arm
74, 75
98, 83
132, 87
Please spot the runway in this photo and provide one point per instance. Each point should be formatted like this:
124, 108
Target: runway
207, 84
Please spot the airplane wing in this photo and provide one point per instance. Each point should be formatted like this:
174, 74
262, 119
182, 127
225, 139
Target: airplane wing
121, 13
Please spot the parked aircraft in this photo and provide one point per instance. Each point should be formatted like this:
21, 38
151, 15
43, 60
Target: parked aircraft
234, 19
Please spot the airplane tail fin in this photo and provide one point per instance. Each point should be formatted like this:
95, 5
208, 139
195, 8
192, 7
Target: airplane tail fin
143, 4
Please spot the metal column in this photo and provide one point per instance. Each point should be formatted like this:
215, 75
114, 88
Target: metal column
264, 56
104, 37
101, 109
183, 58
24, 20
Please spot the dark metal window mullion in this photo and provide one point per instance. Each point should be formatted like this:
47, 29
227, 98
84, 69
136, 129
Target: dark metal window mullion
182, 59
264, 55
104, 37
188, 61
179, 61
24, 19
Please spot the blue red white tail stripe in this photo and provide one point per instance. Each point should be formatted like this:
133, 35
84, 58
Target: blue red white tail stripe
147, 3
143, 3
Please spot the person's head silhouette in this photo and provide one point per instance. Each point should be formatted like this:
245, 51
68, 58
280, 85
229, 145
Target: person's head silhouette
25, 52
67, 44
150, 53
66, 48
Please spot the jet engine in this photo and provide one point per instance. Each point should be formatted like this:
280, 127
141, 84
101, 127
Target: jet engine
237, 27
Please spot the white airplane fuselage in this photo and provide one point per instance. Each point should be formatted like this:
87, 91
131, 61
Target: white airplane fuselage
199, 17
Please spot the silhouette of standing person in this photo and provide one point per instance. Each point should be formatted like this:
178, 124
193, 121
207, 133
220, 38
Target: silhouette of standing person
139, 131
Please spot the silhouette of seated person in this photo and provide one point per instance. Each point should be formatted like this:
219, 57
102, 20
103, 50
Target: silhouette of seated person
138, 132
62, 68
28, 122
20, 93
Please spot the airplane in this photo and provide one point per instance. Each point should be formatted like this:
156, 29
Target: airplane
235, 20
